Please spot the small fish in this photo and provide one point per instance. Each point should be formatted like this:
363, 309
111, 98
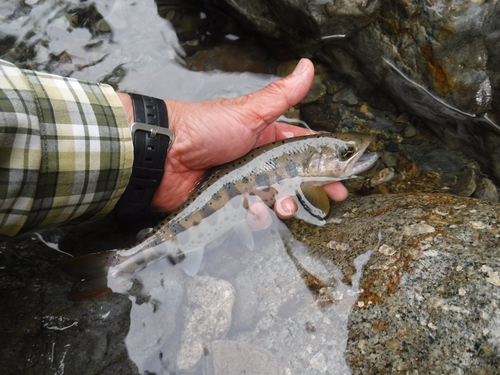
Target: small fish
293, 167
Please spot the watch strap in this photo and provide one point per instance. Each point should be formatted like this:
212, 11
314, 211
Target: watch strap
152, 139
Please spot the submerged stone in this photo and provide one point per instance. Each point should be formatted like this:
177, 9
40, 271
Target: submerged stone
226, 357
208, 315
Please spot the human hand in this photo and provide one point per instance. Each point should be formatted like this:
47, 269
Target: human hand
218, 131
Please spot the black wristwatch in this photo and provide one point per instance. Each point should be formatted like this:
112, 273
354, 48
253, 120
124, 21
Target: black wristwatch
152, 139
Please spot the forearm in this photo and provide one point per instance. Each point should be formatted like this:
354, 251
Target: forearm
65, 152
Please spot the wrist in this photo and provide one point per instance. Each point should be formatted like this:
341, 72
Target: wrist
151, 138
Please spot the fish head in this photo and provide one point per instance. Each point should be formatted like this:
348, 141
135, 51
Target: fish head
340, 156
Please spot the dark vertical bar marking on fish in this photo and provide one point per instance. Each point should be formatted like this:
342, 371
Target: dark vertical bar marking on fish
291, 168
262, 180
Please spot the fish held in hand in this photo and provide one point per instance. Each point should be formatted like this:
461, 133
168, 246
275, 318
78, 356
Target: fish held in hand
296, 167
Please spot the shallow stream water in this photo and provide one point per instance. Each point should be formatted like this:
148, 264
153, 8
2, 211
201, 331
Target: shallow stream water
402, 284
246, 310
125, 43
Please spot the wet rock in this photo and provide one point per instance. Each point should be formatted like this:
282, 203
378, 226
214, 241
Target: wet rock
256, 12
154, 317
42, 331
382, 177
429, 291
486, 190
318, 362
316, 92
289, 319
229, 59
246, 303
346, 95
435, 158
466, 183
227, 357
411, 179
438, 60
208, 315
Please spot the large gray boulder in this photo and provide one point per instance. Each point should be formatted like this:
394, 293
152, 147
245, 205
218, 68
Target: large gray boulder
429, 293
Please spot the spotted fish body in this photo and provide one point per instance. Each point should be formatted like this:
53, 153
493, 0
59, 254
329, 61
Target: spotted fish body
293, 167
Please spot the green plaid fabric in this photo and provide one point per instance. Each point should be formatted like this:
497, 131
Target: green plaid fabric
65, 149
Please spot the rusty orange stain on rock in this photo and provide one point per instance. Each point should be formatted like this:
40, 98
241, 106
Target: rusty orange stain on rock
390, 279
440, 76
380, 325
436, 233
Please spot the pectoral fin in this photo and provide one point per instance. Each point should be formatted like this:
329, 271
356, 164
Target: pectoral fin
315, 202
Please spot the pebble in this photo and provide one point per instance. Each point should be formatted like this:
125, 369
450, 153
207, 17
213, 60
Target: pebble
390, 158
466, 184
382, 177
207, 317
410, 131
486, 190
318, 362
346, 95
387, 250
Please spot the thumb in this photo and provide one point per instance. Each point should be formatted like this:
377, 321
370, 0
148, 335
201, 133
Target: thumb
273, 100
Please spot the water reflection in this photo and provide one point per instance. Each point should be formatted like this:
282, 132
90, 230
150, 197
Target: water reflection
125, 43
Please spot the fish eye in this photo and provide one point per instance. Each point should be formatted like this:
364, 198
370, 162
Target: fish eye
347, 152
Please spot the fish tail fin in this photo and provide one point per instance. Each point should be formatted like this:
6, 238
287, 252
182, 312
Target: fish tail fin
91, 272
89, 289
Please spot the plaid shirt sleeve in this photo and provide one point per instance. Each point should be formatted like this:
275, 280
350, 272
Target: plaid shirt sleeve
65, 149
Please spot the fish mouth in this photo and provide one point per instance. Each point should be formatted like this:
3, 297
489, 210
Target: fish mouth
364, 163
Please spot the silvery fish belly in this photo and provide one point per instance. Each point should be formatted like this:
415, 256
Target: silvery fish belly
295, 167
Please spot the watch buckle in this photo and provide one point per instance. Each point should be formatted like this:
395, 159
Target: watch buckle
152, 130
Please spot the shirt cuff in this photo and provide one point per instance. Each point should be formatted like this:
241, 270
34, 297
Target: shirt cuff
82, 152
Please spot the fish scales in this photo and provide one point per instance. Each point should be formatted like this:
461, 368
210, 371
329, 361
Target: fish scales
220, 202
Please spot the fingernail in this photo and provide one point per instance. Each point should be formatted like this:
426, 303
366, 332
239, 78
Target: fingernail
301, 67
287, 207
